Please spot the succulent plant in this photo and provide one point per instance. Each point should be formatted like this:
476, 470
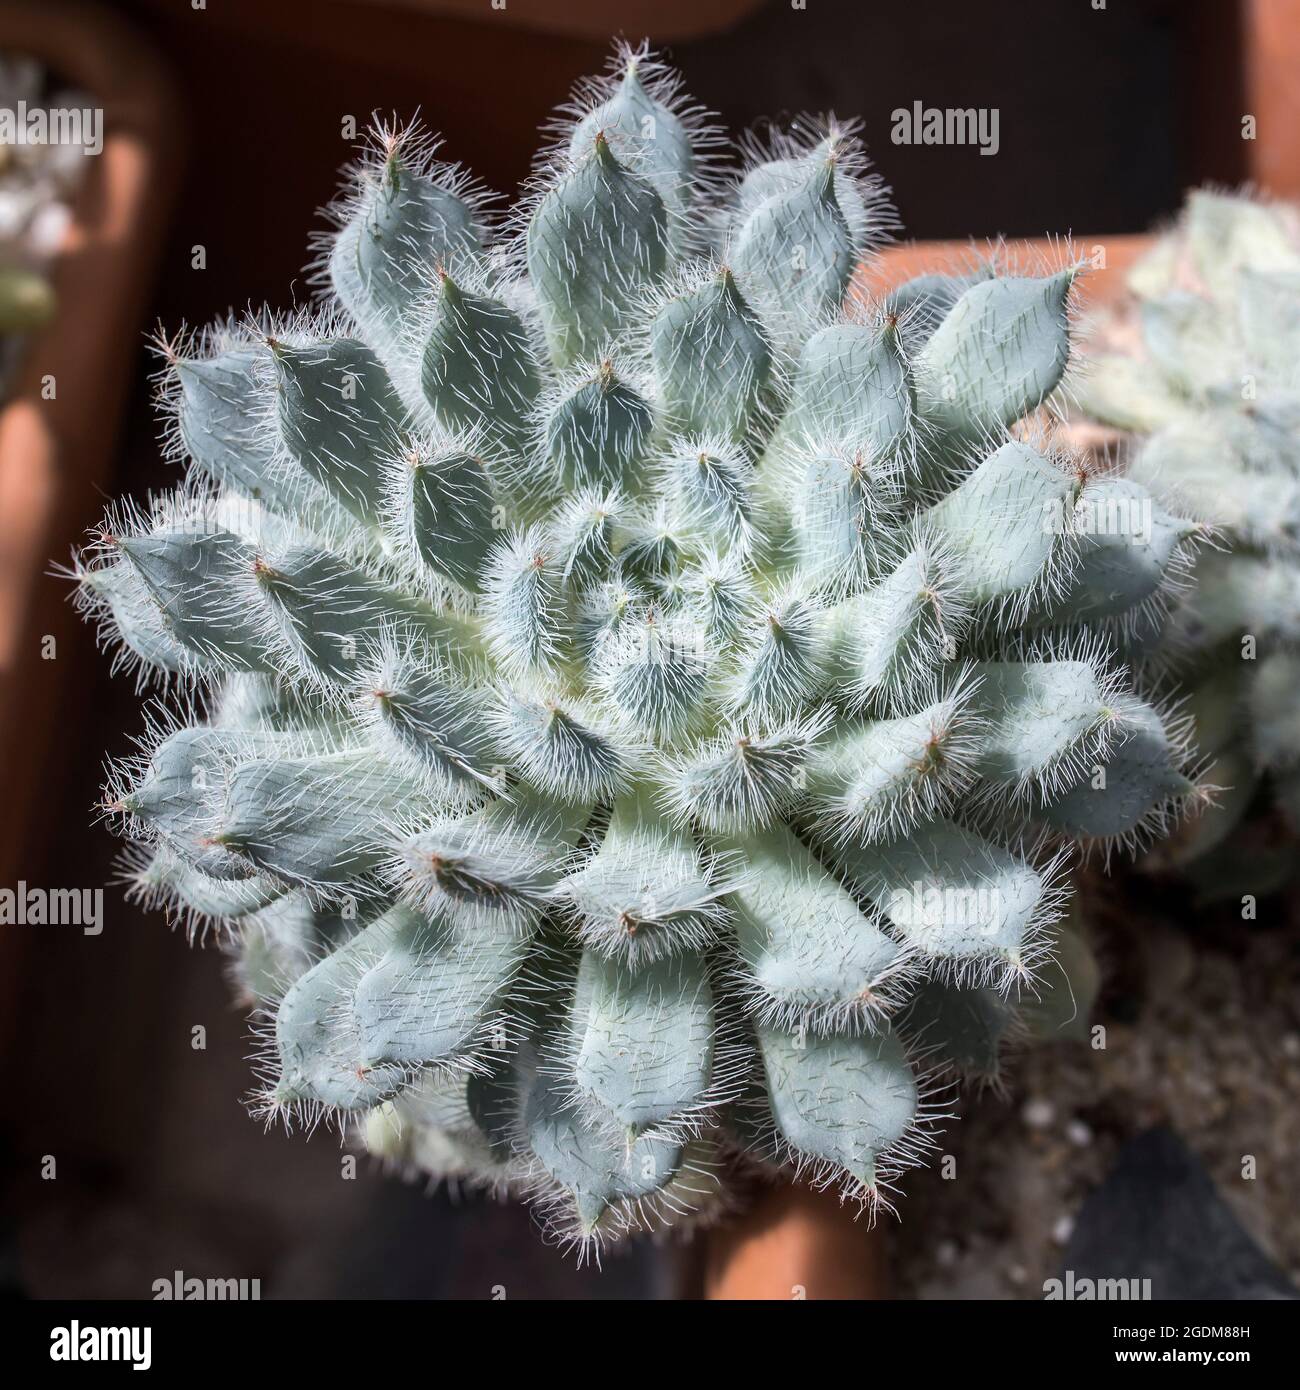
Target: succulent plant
1201, 363
638, 691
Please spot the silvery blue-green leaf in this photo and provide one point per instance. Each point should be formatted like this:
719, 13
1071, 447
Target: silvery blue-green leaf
584, 532
809, 956
526, 603
558, 748
599, 1171
495, 869
960, 901
179, 795
998, 353
876, 778
656, 545
721, 596
711, 360
648, 138
841, 1101
711, 485
200, 583
1139, 776
840, 506
476, 367
1227, 235
170, 878
783, 667
222, 413
655, 670
851, 383
403, 226
431, 1125
317, 1039
329, 612
282, 941
426, 714
339, 417
646, 892
1004, 524
1043, 719
597, 241
742, 779
1126, 544
794, 254
890, 640
642, 1039
325, 819
1184, 337
433, 994
119, 590
966, 1027
442, 501
923, 303
597, 435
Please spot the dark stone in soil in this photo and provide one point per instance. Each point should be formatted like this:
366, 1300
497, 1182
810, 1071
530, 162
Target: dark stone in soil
1159, 1216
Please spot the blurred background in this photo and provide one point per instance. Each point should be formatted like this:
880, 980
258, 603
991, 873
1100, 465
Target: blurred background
223, 130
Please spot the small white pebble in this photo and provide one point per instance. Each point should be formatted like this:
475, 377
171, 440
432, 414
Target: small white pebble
1063, 1229
1078, 1134
1038, 1114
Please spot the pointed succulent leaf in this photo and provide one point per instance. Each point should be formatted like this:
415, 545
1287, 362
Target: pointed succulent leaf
999, 352
433, 995
794, 254
1138, 778
324, 819
712, 362
891, 639
1003, 525
119, 592
496, 868
403, 224
597, 241
880, 777
1128, 546
476, 365
598, 433
1044, 721
846, 1103
339, 416
809, 957
328, 612
200, 584
962, 903
967, 1028
643, 1040
559, 748
440, 501
647, 893
851, 382
316, 1035
649, 138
